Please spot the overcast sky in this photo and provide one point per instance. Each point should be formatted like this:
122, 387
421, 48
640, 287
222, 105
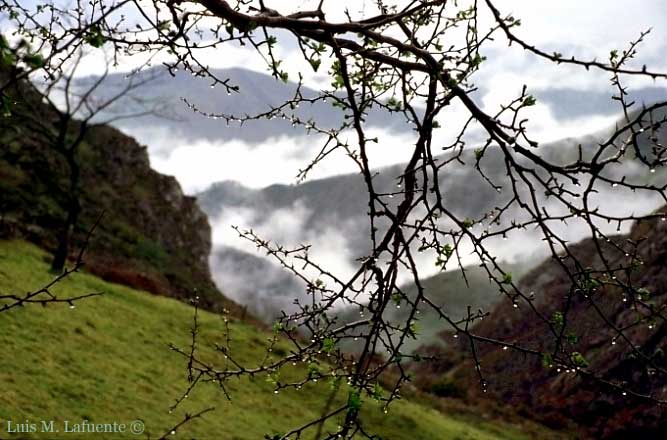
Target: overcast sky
587, 29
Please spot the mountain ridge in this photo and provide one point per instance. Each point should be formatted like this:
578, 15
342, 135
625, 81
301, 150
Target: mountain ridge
320, 208
560, 398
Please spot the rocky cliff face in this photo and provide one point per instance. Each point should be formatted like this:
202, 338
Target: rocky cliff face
150, 219
561, 396
155, 204
151, 236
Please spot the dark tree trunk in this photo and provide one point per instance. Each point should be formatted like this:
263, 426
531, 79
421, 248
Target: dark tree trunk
62, 251
73, 210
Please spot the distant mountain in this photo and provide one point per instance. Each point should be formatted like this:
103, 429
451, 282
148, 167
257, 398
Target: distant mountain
452, 293
331, 214
257, 94
570, 103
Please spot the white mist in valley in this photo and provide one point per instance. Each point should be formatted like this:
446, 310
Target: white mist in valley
294, 216
246, 176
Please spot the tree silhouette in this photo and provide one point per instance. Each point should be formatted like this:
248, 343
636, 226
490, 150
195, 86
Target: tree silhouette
73, 106
414, 61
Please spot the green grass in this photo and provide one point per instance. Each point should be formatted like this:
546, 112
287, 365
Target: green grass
449, 291
108, 360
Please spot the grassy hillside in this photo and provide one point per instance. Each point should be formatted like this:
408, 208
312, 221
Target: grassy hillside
450, 291
107, 360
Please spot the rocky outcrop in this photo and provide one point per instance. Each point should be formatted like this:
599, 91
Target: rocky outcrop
562, 397
151, 236
150, 220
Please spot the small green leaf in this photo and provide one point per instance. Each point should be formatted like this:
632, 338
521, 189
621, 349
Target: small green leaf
507, 278
557, 319
529, 101
475, 62
5, 110
315, 63
95, 37
313, 370
578, 359
354, 400
163, 25
394, 103
414, 330
591, 283
644, 294
377, 391
34, 60
328, 345
7, 58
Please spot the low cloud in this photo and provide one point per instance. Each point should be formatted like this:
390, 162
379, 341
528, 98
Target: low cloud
262, 282
199, 164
